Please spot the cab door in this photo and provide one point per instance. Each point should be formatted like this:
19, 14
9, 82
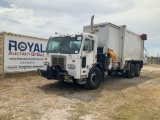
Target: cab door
87, 56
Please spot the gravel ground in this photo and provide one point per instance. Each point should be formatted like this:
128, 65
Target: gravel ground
31, 97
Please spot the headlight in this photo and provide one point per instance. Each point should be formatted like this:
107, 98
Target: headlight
46, 63
71, 66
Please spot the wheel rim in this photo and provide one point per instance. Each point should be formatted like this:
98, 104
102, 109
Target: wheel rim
94, 78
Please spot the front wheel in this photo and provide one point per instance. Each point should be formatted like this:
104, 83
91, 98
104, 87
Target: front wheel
94, 78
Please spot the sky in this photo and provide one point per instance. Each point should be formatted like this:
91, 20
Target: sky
42, 18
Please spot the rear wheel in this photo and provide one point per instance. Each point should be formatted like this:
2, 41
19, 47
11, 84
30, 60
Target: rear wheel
137, 70
131, 72
94, 78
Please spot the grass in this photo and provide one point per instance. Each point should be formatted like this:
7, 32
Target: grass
116, 99
6, 117
82, 111
138, 109
155, 114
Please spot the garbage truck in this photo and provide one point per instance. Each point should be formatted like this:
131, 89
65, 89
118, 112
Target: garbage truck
85, 58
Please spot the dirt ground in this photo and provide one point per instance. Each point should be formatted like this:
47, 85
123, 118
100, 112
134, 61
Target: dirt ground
31, 97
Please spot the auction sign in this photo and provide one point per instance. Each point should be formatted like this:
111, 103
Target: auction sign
23, 53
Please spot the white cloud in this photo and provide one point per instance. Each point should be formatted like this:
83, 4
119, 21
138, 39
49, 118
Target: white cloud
18, 14
18, 20
45, 17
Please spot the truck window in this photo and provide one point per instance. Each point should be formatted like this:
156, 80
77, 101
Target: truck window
53, 45
86, 45
75, 44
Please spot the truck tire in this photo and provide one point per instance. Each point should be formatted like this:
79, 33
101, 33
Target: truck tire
131, 73
94, 78
137, 70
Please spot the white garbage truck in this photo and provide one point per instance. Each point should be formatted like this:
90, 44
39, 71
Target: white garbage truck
102, 49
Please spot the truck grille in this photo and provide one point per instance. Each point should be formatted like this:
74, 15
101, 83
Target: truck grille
60, 60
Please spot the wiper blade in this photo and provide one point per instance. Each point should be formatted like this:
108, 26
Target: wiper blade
68, 53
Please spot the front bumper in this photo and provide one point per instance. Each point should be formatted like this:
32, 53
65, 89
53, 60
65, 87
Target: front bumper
56, 74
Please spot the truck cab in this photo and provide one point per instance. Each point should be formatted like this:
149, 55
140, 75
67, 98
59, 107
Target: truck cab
70, 58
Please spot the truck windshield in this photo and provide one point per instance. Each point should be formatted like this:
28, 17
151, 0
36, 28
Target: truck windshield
64, 45
53, 45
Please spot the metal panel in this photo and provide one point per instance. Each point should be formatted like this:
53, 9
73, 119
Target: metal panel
133, 47
1, 53
114, 41
102, 34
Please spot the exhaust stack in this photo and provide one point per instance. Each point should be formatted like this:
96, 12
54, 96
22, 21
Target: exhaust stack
92, 18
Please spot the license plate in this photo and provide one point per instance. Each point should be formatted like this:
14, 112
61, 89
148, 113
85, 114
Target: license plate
68, 79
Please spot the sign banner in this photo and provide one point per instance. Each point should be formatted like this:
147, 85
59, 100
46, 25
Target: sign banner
23, 54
